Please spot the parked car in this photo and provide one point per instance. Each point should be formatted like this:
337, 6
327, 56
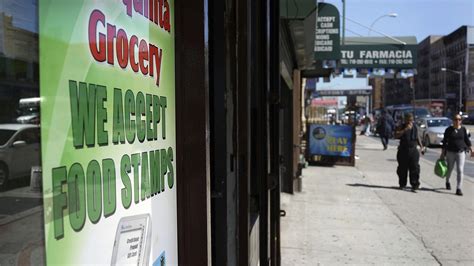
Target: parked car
431, 129
29, 112
469, 119
19, 151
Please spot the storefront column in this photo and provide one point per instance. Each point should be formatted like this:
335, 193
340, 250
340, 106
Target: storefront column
192, 125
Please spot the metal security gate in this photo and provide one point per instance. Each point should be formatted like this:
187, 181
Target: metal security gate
227, 74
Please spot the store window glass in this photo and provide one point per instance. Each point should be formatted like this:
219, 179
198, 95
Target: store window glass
21, 203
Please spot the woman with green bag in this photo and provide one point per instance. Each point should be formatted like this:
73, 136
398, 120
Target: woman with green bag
455, 145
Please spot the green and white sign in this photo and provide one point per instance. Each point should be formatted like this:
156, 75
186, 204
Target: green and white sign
327, 37
107, 85
379, 56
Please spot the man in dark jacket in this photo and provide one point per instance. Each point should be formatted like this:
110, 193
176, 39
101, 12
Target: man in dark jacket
407, 156
385, 128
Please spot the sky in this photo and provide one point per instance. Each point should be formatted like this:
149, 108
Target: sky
419, 18
24, 13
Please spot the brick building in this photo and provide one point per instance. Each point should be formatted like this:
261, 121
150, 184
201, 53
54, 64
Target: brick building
455, 52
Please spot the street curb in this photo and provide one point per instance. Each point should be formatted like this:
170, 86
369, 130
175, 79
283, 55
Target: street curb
20, 215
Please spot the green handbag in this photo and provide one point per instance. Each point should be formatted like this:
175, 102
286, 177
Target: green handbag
441, 168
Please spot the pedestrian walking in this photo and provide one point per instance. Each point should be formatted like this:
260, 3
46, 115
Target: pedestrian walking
408, 156
368, 124
366, 129
456, 143
385, 126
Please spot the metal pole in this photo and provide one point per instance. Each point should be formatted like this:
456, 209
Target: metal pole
392, 15
367, 102
379, 32
373, 23
445, 107
460, 91
412, 85
343, 22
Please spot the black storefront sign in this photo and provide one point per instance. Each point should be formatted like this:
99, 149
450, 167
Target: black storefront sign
327, 37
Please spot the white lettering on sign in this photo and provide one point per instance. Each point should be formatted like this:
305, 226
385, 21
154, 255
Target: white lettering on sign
400, 54
327, 31
347, 54
326, 19
323, 48
322, 37
326, 25
324, 42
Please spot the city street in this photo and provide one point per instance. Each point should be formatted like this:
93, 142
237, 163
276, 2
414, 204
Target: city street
432, 154
358, 215
224, 132
344, 215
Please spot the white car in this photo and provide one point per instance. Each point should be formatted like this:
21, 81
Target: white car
19, 151
431, 129
32, 118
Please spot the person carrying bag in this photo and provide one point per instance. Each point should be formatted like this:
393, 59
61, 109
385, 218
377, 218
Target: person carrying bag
455, 145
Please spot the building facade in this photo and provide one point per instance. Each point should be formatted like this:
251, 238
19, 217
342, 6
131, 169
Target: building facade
397, 91
435, 86
424, 82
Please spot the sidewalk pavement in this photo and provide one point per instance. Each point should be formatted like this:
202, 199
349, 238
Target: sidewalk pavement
21, 227
18, 203
359, 216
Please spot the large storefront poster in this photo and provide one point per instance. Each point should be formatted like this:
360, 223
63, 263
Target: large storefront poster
330, 140
107, 86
